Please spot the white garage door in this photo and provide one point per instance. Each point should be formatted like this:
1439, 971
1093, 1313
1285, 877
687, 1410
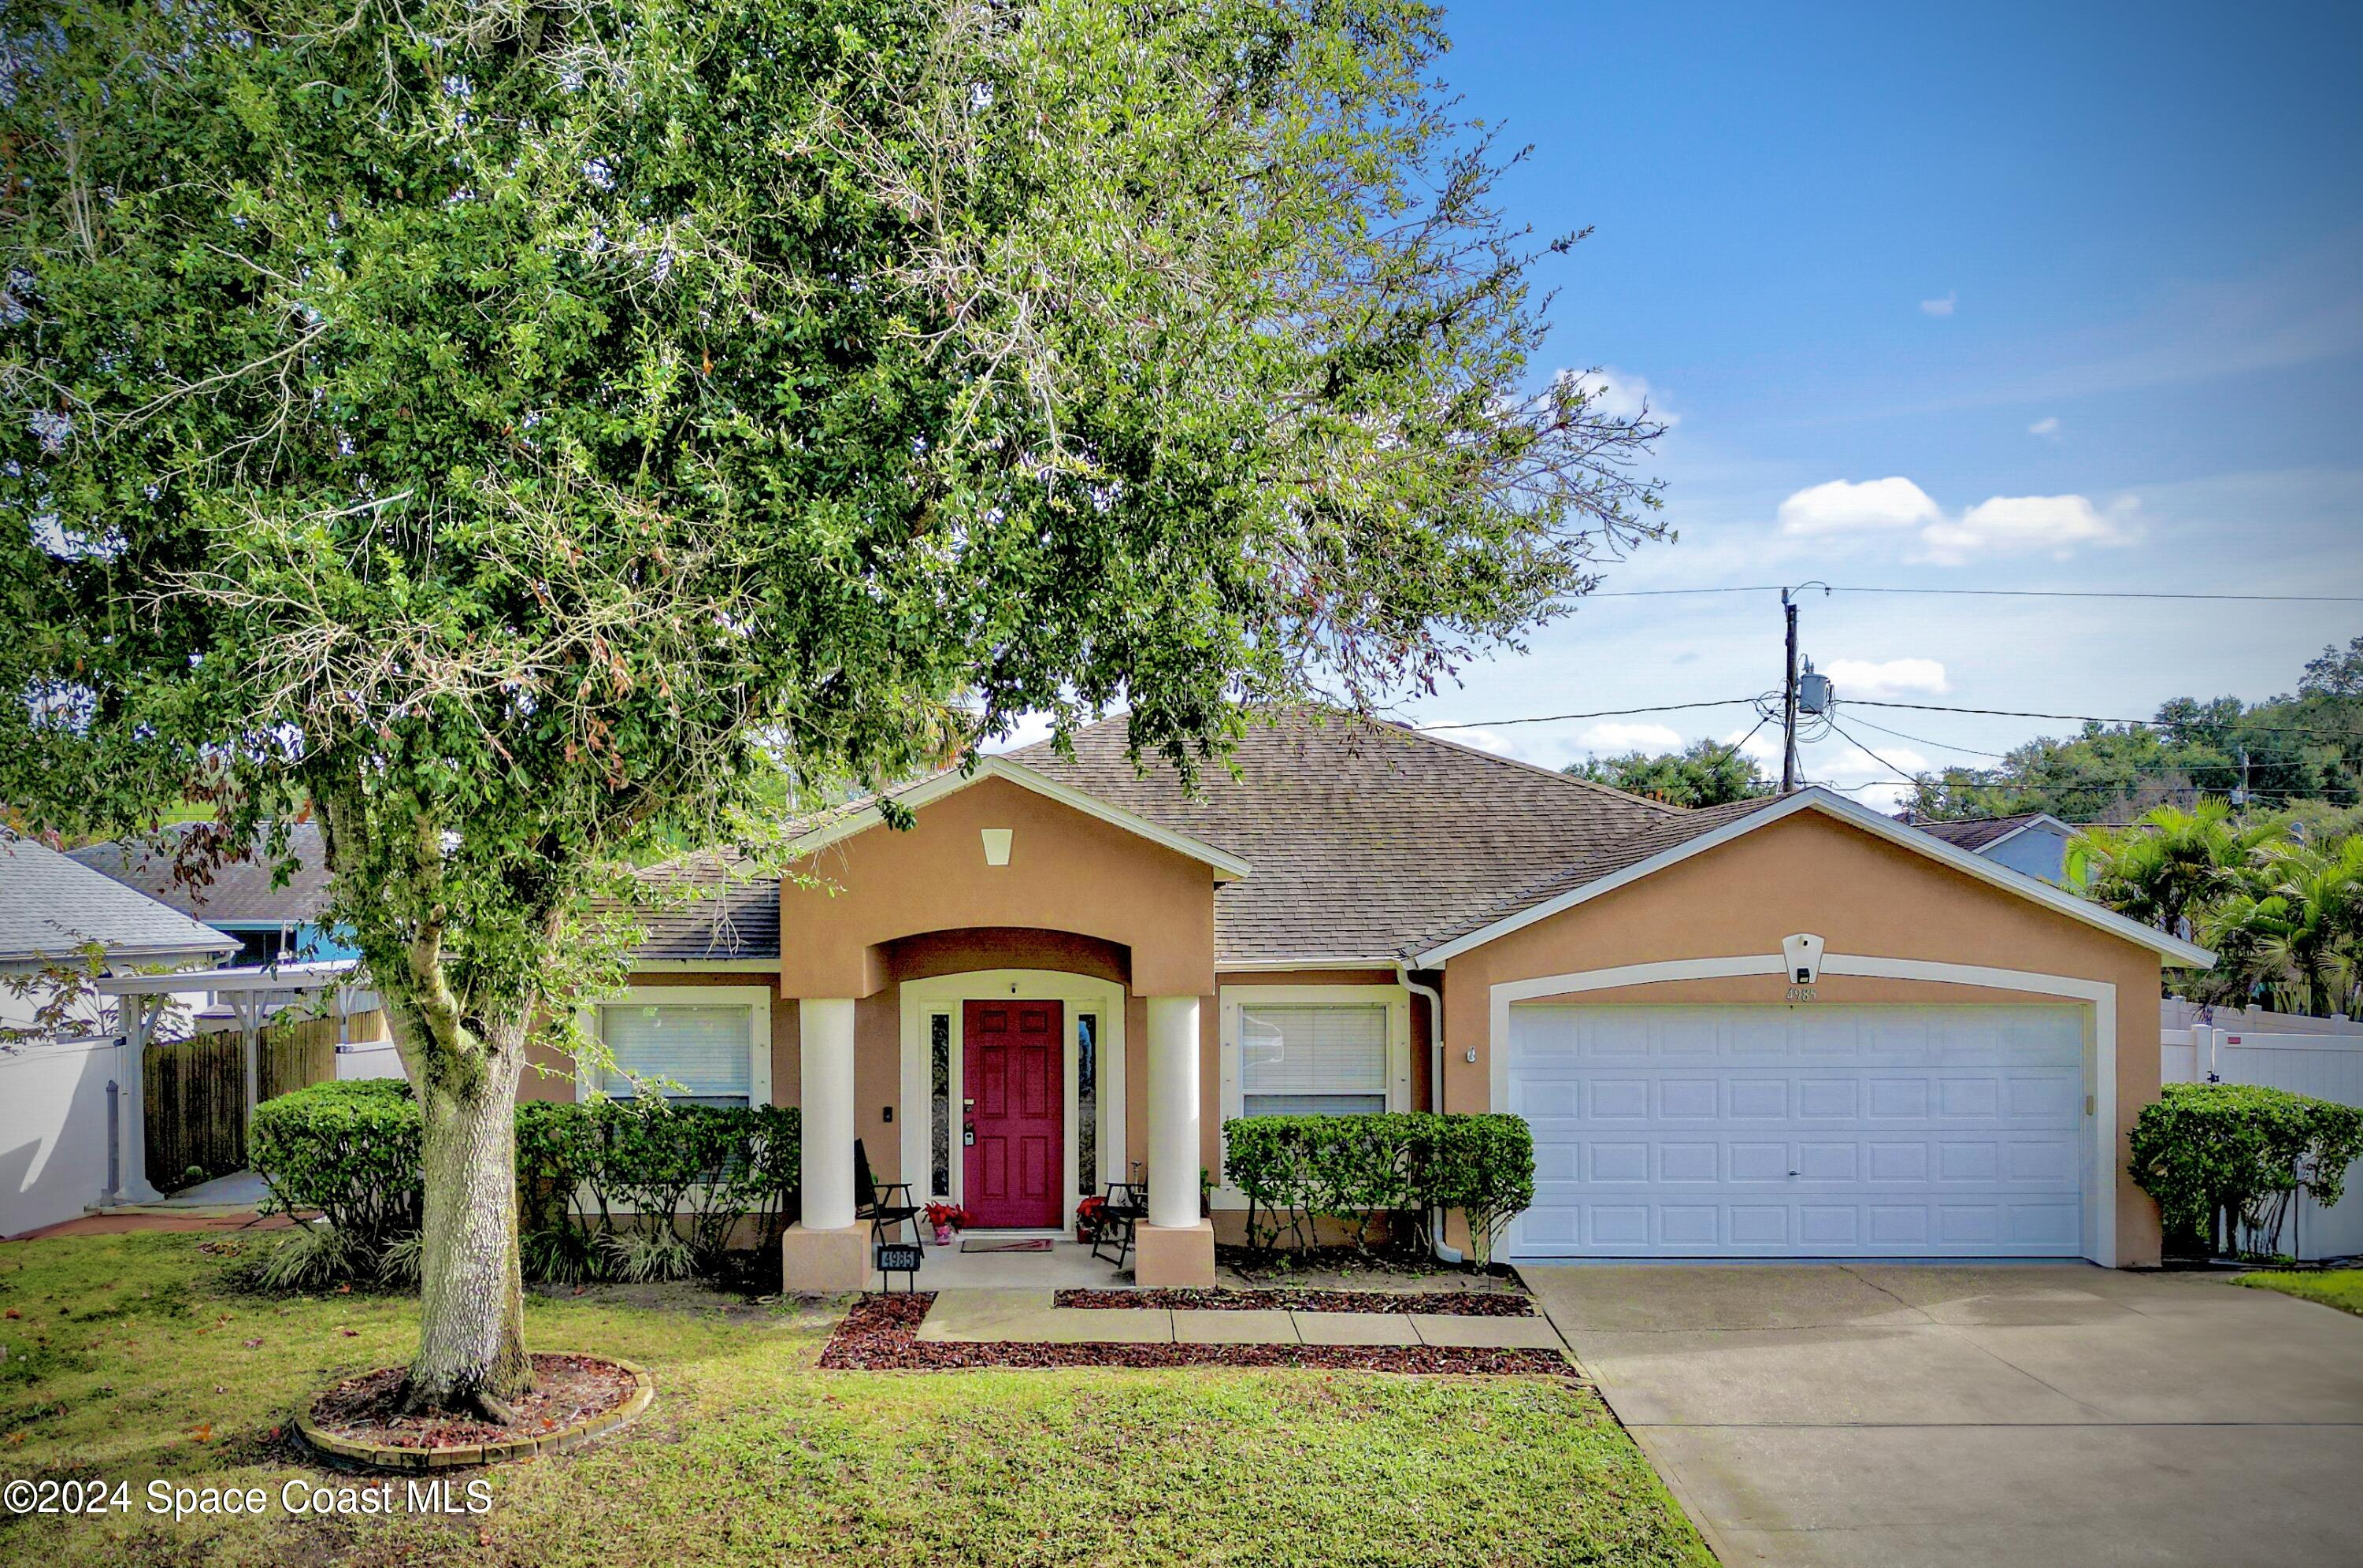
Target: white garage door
1812, 1131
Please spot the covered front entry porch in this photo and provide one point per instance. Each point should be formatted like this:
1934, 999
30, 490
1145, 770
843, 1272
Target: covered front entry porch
1004, 999
1012, 1099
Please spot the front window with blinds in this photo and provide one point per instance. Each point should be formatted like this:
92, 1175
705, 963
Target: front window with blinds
1312, 1061
690, 1055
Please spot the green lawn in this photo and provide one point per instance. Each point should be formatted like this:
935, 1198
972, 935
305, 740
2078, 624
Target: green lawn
130, 1359
2339, 1287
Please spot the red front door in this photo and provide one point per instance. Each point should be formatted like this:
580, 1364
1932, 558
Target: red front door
1016, 1123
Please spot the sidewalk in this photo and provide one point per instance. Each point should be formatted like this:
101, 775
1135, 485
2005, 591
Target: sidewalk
1026, 1317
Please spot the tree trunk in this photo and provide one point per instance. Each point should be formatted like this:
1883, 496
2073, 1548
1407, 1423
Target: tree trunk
471, 1290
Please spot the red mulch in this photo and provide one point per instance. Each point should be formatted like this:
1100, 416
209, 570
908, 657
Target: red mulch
566, 1389
1301, 1298
880, 1334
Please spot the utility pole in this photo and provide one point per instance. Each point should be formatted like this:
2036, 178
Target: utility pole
1789, 699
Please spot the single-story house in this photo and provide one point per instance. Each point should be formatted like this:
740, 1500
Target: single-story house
1786, 1027
2032, 842
271, 923
64, 1074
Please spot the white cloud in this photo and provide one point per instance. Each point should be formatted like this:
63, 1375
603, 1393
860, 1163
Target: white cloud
1873, 506
1612, 392
1027, 729
2047, 425
2019, 525
1874, 678
1487, 740
1941, 307
1619, 738
1761, 747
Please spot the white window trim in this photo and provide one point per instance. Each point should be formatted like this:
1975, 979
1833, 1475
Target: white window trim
1396, 1000
756, 1000
1079, 994
2100, 1154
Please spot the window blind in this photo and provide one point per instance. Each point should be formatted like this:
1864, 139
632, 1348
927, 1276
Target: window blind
702, 1051
1297, 1061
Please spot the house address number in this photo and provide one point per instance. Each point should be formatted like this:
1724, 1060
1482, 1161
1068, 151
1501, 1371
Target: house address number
1801, 993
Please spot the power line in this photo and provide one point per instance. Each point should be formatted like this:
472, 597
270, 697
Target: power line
1603, 713
2089, 719
1924, 740
1866, 750
1994, 593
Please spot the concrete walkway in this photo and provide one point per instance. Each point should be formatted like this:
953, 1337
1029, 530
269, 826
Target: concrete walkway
1904, 1414
1026, 1317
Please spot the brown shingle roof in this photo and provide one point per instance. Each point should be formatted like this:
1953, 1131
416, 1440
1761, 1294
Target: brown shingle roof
1627, 852
728, 911
239, 890
1365, 838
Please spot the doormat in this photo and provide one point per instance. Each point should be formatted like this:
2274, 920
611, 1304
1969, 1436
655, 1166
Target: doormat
1019, 1244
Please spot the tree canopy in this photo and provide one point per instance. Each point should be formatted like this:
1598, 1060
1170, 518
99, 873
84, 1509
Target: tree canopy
1704, 773
2303, 749
520, 431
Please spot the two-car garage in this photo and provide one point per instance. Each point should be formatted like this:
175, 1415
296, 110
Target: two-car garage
1804, 1130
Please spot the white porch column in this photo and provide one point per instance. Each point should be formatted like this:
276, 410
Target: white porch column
133, 1012
827, 1035
1176, 1248
1173, 1112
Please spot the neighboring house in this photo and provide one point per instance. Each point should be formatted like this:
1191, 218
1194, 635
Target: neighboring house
2032, 842
1096, 968
273, 925
55, 1074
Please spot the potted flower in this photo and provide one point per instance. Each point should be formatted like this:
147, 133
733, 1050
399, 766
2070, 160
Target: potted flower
1087, 1217
947, 1218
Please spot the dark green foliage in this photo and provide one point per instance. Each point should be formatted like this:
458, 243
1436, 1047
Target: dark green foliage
590, 1177
1397, 1165
349, 1150
1706, 773
2241, 1152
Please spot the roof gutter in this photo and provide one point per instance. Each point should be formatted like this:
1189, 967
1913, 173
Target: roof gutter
1435, 1089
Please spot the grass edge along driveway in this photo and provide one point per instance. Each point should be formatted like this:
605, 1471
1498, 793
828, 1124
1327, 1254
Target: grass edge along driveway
130, 1358
2339, 1287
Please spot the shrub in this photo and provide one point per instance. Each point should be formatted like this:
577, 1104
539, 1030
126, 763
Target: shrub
1356, 1170
691, 1174
2240, 1153
308, 1257
349, 1150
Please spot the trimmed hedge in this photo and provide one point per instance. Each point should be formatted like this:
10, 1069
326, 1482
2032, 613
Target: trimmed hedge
689, 1175
350, 1150
1396, 1166
2239, 1153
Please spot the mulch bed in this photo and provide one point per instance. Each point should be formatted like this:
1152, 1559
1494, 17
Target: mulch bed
880, 1334
1447, 1303
567, 1389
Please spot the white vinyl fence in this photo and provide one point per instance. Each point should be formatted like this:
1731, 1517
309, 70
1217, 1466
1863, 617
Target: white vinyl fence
54, 1147
2323, 1057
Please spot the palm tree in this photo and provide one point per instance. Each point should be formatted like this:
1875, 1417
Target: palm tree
2298, 924
2167, 864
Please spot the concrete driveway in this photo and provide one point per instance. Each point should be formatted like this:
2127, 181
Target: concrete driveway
2027, 1414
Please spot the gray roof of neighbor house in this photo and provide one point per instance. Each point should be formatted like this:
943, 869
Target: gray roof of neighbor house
1974, 834
51, 905
1370, 840
240, 890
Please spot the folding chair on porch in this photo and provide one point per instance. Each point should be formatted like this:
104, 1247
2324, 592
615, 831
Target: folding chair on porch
1123, 1208
884, 1205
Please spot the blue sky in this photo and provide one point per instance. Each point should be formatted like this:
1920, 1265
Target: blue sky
2011, 296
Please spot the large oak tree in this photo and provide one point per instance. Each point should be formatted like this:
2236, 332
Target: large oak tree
516, 431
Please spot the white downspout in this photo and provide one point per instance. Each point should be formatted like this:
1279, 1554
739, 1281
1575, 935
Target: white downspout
1435, 1085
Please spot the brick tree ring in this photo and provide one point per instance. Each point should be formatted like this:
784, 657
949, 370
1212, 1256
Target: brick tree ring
576, 1399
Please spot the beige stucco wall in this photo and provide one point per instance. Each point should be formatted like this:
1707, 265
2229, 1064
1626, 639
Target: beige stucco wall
1067, 872
1861, 895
